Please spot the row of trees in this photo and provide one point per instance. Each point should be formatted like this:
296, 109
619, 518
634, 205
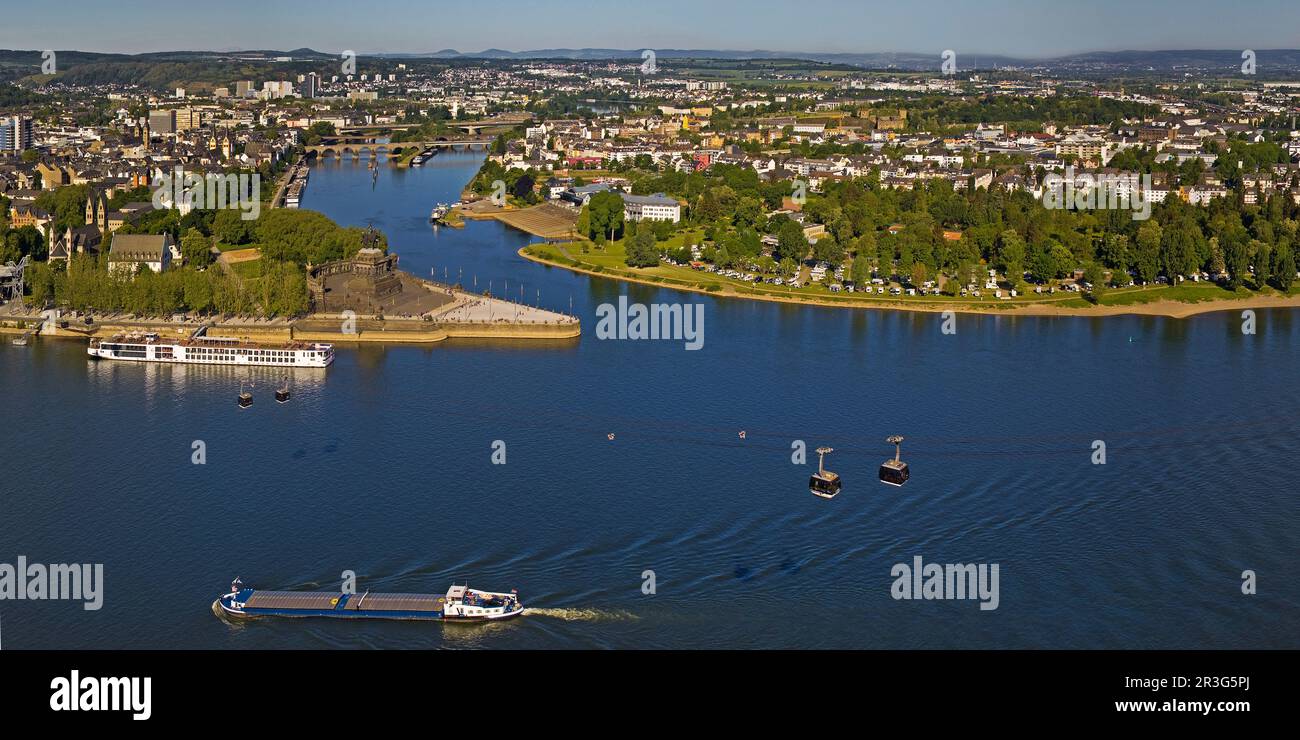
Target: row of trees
85, 284
945, 230
288, 239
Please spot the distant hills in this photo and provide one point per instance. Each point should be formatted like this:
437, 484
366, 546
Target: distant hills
1269, 62
1167, 60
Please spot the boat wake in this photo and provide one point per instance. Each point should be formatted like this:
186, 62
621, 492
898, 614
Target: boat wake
581, 615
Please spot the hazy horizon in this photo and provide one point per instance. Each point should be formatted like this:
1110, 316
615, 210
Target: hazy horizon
1014, 28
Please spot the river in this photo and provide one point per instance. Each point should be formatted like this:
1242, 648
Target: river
677, 533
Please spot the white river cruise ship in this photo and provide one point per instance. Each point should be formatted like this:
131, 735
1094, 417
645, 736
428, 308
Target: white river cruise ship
204, 350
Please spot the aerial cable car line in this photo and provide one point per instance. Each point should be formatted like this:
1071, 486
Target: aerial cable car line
633, 436
931, 445
681, 428
679, 431
635, 432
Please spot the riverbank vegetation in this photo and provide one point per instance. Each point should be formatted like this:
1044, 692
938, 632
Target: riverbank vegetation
274, 284
937, 239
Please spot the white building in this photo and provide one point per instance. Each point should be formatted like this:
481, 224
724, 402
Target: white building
657, 207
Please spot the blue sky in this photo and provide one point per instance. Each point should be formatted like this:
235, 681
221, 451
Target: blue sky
1012, 27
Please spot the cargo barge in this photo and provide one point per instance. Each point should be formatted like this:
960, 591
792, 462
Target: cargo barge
459, 604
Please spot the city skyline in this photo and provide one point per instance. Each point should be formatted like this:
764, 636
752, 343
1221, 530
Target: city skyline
1015, 28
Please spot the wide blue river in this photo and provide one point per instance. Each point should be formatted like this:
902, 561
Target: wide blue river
382, 465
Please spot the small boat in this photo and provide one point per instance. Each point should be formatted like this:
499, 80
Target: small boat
460, 604
824, 483
282, 393
245, 397
439, 212
895, 472
20, 341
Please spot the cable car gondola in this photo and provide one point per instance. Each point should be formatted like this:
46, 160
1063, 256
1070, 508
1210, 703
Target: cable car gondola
245, 398
824, 483
282, 393
894, 472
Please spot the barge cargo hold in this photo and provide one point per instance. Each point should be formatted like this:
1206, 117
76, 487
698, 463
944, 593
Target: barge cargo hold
460, 604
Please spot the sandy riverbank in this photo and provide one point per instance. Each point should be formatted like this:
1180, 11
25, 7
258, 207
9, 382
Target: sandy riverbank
544, 220
1170, 309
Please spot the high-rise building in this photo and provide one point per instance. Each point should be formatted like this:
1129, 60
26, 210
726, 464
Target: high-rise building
187, 119
277, 89
244, 88
16, 134
162, 121
310, 84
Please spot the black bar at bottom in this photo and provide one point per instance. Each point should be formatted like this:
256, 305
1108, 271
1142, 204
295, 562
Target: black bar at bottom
929, 687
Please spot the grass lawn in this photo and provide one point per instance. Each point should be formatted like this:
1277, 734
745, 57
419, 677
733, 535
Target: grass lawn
1184, 293
223, 247
248, 270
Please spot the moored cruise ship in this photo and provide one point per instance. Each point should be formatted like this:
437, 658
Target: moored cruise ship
204, 350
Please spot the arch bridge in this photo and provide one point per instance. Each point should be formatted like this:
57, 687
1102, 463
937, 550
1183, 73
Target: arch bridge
362, 146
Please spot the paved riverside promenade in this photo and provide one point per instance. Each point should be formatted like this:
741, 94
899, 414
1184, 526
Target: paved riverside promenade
443, 312
470, 308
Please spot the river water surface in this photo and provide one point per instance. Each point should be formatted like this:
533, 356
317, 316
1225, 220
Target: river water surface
382, 465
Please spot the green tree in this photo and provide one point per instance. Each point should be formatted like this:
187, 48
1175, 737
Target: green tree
642, 250
1236, 257
229, 228
605, 214
860, 272
791, 242
196, 249
828, 249
1146, 260
1011, 250
918, 274
1284, 267
1096, 277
